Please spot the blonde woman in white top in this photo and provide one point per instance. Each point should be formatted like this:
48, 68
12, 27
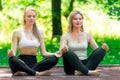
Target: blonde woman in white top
27, 40
75, 43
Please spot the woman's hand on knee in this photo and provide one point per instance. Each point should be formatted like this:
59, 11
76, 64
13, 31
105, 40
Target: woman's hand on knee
105, 47
58, 54
11, 53
61, 51
64, 49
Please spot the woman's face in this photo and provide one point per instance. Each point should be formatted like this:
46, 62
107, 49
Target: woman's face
30, 17
77, 21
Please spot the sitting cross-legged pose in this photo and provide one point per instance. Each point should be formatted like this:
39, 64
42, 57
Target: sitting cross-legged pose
27, 40
74, 46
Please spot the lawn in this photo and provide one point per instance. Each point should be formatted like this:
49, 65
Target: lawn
112, 57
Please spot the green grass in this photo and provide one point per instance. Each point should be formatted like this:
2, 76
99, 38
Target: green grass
96, 21
3, 53
112, 57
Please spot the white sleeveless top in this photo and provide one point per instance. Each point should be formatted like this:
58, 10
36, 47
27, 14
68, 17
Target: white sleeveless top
24, 42
79, 48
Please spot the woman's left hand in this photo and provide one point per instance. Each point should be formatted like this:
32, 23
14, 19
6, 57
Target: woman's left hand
105, 47
58, 54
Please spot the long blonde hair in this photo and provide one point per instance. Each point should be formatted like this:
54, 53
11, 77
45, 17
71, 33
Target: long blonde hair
35, 30
70, 24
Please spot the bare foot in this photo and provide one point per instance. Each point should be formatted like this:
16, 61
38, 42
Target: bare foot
94, 72
43, 73
20, 73
77, 73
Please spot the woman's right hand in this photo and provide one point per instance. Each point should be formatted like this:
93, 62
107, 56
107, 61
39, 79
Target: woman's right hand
61, 52
11, 53
64, 50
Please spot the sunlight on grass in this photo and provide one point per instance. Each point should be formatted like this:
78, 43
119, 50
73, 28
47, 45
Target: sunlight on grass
100, 24
0, 47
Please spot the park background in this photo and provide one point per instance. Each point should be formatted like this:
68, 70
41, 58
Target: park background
101, 19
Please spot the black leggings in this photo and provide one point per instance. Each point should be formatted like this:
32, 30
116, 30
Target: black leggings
72, 62
28, 64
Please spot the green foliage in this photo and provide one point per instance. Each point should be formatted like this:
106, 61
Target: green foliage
114, 11
96, 21
112, 56
111, 7
3, 53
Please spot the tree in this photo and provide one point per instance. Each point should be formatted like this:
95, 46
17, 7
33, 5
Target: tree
56, 18
70, 8
0, 5
111, 7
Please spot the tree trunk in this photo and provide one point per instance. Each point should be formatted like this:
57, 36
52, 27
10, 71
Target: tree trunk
56, 18
70, 8
0, 5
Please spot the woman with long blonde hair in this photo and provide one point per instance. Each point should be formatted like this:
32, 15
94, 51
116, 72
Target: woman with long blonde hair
27, 40
74, 46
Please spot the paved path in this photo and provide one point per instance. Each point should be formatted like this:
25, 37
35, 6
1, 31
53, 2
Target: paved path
107, 73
